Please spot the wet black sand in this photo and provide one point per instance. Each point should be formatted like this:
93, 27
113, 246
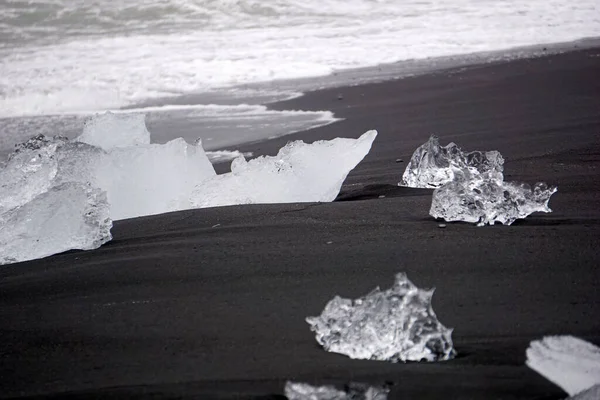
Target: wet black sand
211, 303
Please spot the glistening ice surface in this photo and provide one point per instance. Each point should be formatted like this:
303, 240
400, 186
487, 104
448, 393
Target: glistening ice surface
353, 391
470, 186
569, 362
486, 201
394, 325
68, 216
432, 165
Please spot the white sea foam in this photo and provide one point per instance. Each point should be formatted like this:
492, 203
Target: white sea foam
60, 56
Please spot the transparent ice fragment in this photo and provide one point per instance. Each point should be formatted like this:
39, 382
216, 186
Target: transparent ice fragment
470, 186
300, 172
110, 130
487, 201
29, 171
571, 363
353, 391
432, 165
68, 216
42, 163
394, 325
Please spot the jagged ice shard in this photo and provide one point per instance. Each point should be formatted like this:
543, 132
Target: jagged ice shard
394, 325
487, 201
470, 186
353, 391
68, 216
300, 172
569, 362
432, 165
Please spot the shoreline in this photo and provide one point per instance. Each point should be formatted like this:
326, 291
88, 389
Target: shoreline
166, 115
176, 306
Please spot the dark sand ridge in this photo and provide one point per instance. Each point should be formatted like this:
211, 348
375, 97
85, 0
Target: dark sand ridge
176, 307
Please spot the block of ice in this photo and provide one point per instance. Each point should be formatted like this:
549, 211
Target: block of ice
569, 362
109, 131
487, 201
42, 163
432, 165
67, 216
353, 391
394, 325
300, 172
152, 179
142, 178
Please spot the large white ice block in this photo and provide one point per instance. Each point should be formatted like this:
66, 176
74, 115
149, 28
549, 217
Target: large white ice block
300, 172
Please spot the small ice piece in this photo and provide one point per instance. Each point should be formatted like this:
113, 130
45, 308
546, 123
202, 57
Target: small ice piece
432, 165
394, 325
353, 391
68, 216
487, 201
569, 362
300, 172
110, 130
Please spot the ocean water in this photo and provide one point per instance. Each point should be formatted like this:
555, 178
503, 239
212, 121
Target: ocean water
60, 59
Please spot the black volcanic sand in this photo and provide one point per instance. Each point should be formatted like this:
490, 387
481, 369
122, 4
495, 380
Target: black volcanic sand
211, 303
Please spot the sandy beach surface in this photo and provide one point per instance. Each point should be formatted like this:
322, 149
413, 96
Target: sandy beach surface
211, 303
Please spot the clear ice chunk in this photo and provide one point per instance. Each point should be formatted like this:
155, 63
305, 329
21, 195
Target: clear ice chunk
487, 201
470, 186
29, 171
68, 216
394, 325
42, 163
300, 172
353, 391
432, 165
571, 363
